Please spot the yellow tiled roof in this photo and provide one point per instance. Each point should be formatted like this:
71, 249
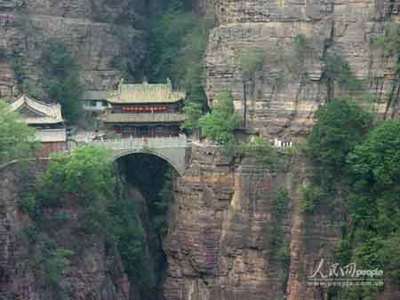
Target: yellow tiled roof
37, 112
145, 93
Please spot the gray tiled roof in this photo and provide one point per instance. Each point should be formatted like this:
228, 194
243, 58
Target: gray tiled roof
36, 112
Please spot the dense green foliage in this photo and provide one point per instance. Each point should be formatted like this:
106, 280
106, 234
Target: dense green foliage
24, 84
310, 195
374, 202
85, 174
339, 127
62, 79
16, 138
357, 170
193, 111
389, 41
220, 123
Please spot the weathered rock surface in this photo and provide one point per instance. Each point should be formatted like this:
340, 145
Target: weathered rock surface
99, 33
92, 274
222, 245
282, 100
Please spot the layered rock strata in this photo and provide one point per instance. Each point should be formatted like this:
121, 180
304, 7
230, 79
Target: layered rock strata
100, 34
285, 92
228, 241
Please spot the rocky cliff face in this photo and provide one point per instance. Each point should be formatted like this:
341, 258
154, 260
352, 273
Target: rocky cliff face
100, 34
227, 241
93, 272
282, 99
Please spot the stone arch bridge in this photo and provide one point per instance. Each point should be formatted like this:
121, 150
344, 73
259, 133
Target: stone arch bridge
174, 150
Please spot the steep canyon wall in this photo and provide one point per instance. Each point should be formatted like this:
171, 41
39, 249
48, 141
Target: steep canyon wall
219, 244
284, 96
227, 241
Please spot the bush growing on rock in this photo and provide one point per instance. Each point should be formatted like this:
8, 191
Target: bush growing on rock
220, 123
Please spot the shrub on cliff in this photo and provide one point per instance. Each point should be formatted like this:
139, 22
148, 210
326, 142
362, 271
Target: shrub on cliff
220, 123
16, 138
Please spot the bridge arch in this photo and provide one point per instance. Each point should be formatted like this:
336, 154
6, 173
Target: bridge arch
173, 150
177, 165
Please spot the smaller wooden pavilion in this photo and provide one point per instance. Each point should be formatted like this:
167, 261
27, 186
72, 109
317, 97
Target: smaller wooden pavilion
48, 121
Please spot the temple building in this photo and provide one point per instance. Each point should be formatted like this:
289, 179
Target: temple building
145, 110
48, 121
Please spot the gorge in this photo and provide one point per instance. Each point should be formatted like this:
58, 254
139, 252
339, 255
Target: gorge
231, 227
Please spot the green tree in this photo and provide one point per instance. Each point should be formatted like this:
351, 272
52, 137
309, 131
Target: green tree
86, 174
389, 42
220, 123
251, 61
61, 79
16, 138
339, 127
374, 202
166, 41
194, 112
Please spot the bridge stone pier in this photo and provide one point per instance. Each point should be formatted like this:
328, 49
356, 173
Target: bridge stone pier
174, 150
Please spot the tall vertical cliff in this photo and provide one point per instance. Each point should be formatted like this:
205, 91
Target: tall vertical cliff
284, 97
229, 241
